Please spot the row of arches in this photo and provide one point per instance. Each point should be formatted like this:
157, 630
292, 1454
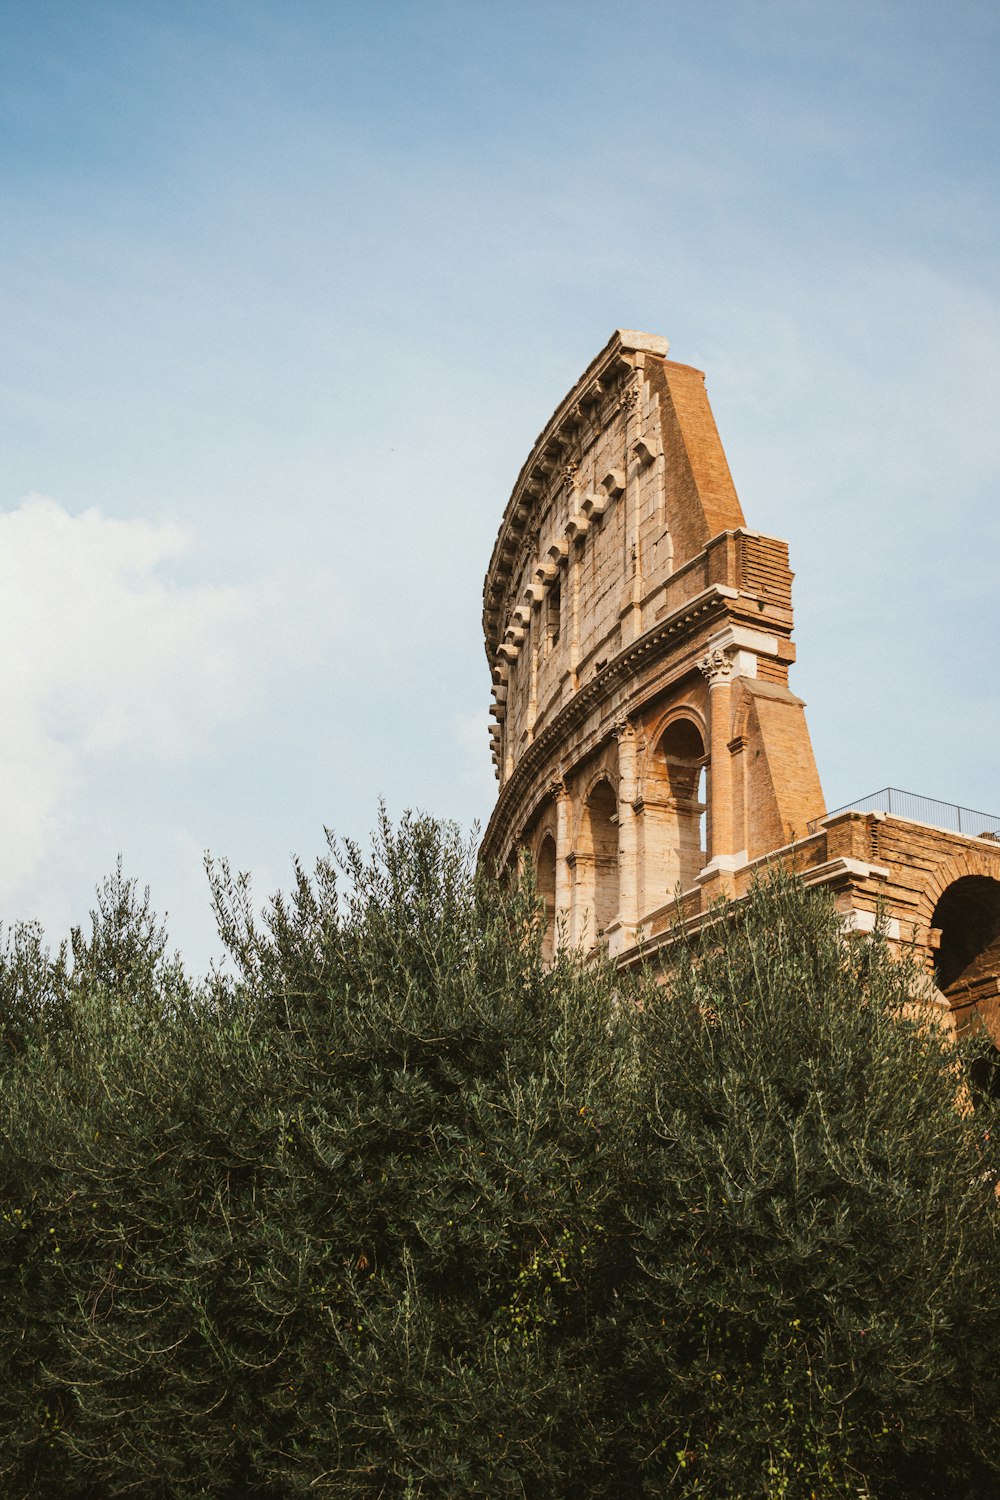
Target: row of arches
579, 875
596, 865
672, 815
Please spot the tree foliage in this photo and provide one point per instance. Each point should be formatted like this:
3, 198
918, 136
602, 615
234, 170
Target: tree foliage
389, 1208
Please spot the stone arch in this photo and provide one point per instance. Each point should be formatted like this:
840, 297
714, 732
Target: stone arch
545, 884
984, 1075
657, 728
542, 822
597, 893
965, 931
674, 804
947, 873
540, 843
961, 909
603, 767
966, 920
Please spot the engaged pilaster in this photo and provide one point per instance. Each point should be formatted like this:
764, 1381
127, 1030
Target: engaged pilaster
628, 835
564, 869
717, 667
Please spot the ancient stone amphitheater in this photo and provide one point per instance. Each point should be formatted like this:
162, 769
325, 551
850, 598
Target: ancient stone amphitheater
650, 753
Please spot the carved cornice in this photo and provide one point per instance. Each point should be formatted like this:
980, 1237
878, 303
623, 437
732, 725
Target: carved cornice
555, 448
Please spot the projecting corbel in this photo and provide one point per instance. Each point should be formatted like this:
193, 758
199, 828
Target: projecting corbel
613, 483
594, 505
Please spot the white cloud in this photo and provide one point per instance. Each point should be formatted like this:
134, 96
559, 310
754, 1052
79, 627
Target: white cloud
100, 651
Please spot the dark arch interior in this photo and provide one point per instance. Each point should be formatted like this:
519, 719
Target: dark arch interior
683, 751
682, 741
545, 880
602, 811
968, 918
984, 1075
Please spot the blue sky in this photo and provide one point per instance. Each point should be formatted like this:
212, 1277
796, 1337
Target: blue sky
287, 290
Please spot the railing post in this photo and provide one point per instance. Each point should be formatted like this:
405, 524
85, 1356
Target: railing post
888, 798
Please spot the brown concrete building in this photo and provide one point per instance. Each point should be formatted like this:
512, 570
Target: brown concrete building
650, 753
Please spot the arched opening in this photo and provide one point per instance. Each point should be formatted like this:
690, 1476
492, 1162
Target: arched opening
510, 872
984, 1075
967, 919
545, 882
682, 756
601, 837
965, 932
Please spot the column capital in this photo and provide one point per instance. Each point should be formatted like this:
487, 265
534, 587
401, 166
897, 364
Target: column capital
717, 666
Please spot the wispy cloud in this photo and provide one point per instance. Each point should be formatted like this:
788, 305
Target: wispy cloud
101, 650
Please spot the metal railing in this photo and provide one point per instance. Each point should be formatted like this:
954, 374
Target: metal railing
919, 809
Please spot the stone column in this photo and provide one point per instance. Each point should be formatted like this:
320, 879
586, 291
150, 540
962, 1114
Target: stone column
581, 924
737, 760
564, 870
717, 667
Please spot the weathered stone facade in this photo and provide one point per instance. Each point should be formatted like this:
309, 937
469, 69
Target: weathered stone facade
650, 754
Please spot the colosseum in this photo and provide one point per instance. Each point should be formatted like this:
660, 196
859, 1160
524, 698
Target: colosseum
651, 755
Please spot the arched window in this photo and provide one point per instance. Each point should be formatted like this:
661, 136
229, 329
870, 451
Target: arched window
676, 809
545, 881
600, 833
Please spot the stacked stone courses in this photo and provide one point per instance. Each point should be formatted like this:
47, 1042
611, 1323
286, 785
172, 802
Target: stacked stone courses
650, 755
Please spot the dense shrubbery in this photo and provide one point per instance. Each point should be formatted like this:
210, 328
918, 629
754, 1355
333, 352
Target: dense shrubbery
395, 1211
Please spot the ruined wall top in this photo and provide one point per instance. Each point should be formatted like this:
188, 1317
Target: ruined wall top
623, 490
604, 421
652, 757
